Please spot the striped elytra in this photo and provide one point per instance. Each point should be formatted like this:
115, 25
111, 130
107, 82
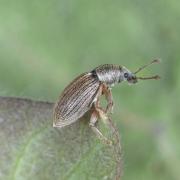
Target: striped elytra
76, 99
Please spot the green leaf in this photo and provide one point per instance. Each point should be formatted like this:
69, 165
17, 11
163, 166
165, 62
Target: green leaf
30, 148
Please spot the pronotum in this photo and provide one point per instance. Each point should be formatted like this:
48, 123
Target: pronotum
83, 94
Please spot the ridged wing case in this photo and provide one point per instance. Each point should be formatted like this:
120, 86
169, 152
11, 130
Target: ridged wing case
76, 99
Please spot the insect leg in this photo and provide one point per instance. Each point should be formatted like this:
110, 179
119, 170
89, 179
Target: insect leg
108, 94
101, 112
92, 124
109, 123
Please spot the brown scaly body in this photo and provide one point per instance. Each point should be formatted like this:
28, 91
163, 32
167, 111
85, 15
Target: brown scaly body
84, 92
76, 99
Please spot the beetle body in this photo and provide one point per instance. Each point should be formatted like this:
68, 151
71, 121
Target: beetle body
79, 96
83, 94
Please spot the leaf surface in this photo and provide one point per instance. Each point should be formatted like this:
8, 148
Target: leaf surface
30, 148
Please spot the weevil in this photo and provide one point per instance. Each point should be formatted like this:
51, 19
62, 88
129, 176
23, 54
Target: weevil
83, 94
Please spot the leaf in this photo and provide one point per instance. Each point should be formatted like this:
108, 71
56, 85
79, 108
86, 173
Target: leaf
30, 148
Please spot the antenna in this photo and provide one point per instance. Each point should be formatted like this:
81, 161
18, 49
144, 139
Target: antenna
143, 67
156, 77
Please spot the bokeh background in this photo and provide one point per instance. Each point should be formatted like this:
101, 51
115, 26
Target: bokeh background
45, 44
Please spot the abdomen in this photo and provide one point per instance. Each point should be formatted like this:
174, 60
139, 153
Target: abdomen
75, 100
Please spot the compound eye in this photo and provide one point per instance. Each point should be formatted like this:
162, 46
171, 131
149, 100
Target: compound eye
126, 75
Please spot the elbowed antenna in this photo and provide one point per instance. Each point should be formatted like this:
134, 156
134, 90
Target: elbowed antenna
143, 67
156, 77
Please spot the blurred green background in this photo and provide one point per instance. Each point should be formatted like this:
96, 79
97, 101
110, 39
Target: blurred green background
45, 44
